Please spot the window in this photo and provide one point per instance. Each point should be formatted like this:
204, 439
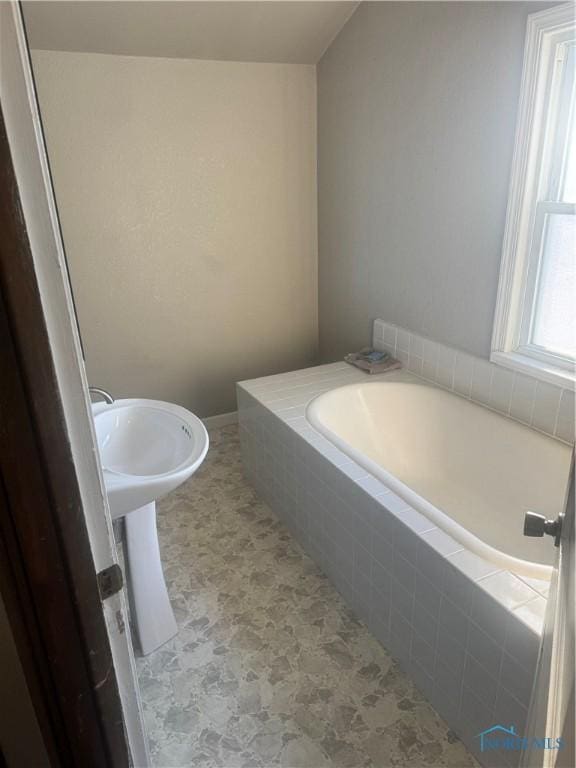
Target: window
535, 323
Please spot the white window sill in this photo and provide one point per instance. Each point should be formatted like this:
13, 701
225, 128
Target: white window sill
535, 368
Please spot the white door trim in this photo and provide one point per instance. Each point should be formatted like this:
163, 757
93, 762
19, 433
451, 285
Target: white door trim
24, 131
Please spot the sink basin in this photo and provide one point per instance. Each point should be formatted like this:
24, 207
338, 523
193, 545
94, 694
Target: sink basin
147, 448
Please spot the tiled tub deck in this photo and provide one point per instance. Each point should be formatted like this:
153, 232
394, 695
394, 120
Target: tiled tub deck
467, 632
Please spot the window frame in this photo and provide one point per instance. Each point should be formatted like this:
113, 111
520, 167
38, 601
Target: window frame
529, 200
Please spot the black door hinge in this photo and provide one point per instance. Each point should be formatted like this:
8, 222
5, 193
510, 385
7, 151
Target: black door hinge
110, 581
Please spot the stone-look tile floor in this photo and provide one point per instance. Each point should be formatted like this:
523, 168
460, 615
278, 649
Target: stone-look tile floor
269, 667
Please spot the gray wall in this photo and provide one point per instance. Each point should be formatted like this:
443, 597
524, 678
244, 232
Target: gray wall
416, 116
187, 194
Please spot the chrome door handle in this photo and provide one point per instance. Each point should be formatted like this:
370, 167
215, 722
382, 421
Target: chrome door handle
538, 525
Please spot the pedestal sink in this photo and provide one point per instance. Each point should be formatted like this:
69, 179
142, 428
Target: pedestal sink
147, 449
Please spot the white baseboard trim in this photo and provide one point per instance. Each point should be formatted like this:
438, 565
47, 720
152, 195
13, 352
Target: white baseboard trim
221, 420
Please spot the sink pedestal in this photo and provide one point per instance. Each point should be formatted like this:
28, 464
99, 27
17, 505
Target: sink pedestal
147, 449
152, 613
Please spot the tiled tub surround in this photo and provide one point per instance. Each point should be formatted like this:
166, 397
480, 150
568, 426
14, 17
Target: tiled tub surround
467, 632
540, 405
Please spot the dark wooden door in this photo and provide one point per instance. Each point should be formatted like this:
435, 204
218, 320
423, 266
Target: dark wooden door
47, 573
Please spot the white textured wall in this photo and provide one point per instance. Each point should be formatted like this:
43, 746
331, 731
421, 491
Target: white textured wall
187, 195
417, 108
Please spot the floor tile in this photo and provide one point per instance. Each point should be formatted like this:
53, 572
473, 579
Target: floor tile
269, 667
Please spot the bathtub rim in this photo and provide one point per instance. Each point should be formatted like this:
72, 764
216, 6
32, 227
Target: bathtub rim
436, 516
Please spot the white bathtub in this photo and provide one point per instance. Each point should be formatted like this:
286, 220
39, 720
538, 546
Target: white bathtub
471, 471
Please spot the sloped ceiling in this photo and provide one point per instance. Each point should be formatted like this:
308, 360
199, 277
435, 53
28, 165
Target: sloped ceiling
266, 31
